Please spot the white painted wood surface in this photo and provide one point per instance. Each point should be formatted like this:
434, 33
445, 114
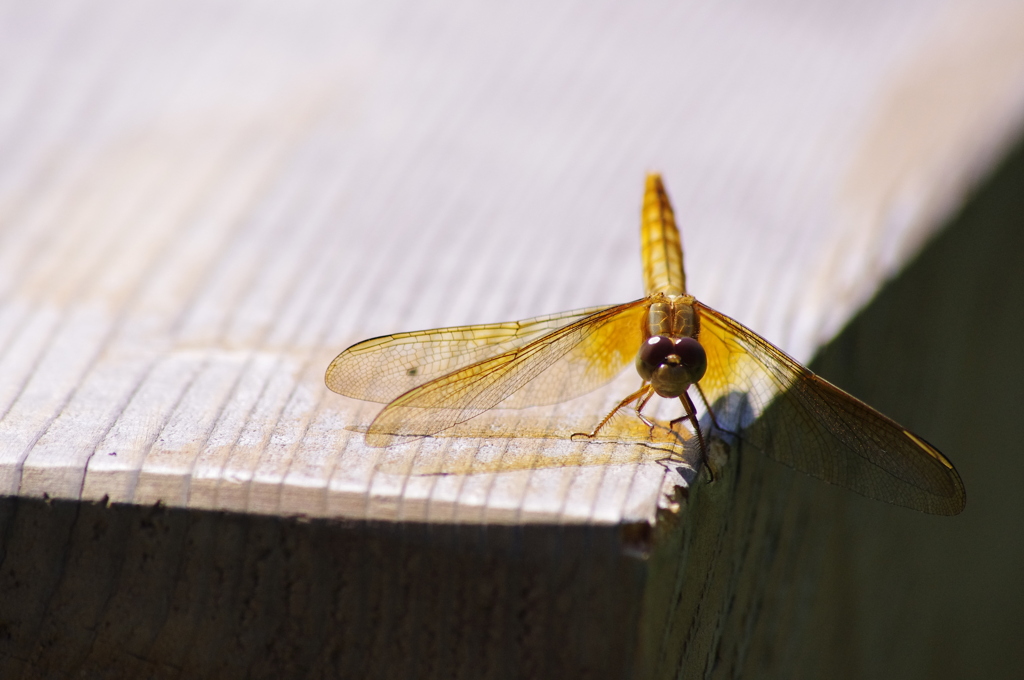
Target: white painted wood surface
201, 204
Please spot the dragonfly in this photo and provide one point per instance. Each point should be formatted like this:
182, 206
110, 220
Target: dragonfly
434, 381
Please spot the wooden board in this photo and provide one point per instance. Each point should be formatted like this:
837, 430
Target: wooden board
198, 215
199, 207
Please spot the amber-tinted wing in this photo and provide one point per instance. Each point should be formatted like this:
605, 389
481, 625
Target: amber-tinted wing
380, 369
566, 362
811, 425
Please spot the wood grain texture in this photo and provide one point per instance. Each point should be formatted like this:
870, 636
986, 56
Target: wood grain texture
200, 207
181, 263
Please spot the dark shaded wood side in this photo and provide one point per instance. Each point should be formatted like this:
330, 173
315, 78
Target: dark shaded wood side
126, 592
940, 349
732, 584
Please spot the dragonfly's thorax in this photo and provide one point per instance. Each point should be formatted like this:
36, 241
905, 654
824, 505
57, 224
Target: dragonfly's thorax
672, 316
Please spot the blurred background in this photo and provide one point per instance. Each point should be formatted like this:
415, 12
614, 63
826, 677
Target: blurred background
201, 203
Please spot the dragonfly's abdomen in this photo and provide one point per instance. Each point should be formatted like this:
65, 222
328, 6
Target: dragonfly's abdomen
659, 243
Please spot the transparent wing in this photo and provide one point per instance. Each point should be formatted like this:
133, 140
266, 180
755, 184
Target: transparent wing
811, 425
380, 369
564, 363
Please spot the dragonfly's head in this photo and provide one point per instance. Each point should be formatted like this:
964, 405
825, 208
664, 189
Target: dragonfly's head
671, 365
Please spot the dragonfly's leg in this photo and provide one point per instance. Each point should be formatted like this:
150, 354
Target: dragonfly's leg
691, 415
640, 408
643, 393
714, 421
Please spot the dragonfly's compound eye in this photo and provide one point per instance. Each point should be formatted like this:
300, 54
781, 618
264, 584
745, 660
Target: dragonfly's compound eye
671, 364
693, 357
652, 354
